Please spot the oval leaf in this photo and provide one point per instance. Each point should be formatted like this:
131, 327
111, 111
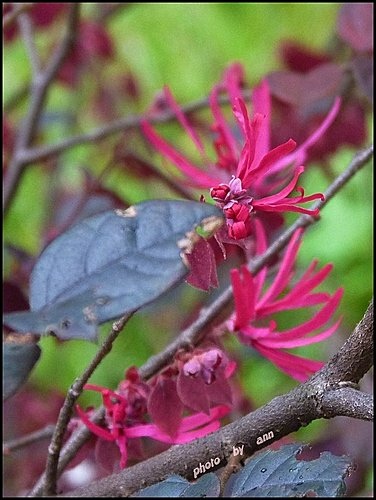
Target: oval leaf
109, 265
206, 486
302, 90
165, 407
203, 267
192, 392
18, 361
355, 25
280, 474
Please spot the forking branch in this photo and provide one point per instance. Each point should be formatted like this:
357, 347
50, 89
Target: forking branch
284, 414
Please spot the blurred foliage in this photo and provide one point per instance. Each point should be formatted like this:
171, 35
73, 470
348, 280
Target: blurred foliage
186, 46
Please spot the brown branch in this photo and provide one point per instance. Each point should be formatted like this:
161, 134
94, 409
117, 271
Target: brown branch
69, 451
27, 33
347, 364
121, 125
18, 9
39, 88
283, 415
347, 402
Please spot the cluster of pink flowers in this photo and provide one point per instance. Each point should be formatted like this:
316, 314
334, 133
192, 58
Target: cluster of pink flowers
130, 407
261, 180
254, 307
247, 178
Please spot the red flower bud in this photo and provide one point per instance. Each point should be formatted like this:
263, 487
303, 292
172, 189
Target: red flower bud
220, 192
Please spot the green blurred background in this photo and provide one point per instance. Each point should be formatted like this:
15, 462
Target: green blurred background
187, 46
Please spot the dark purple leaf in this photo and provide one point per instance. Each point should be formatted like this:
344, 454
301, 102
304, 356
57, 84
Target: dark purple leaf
165, 407
18, 361
206, 486
43, 15
355, 25
363, 71
93, 43
300, 58
349, 127
173, 486
109, 265
219, 392
192, 392
299, 89
13, 298
203, 267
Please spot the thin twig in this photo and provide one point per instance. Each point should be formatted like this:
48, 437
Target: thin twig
79, 437
121, 125
107, 10
18, 9
51, 473
39, 89
27, 33
232, 467
16, 444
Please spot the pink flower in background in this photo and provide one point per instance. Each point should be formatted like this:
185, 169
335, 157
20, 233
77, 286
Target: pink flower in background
203, 380
204, 365
120, 430
247, 175
254, 307
196, 380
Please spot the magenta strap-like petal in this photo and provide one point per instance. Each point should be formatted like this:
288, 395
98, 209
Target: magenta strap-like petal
273, 156
244, 298
261, 246
197, 177
296, 301
183, 121
189, 423
277, 343
233, 77
94, 428
317, 321
281, 195
295, 366
300, 293
262, 104
283, 275
221, 124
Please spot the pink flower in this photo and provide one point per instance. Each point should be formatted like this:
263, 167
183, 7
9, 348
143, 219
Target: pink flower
195, 380
247, 176
204, 365
119, 429
203, 379
253, 308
